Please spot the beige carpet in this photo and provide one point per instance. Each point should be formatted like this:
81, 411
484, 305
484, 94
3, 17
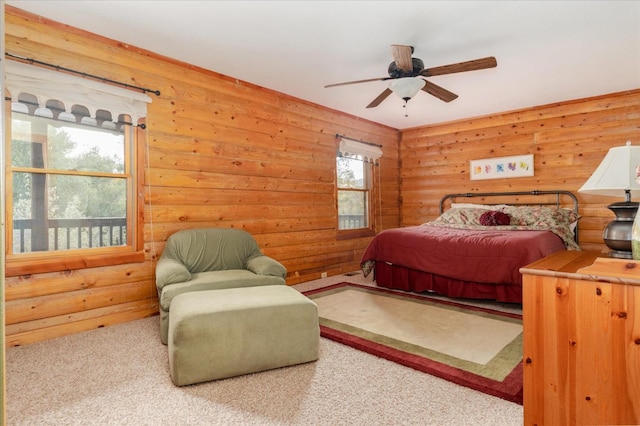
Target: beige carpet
119, 375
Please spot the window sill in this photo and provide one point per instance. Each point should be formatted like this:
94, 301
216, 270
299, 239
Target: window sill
355, 233
15, 267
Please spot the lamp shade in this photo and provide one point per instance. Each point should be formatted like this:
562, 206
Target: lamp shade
616, 174
407, 87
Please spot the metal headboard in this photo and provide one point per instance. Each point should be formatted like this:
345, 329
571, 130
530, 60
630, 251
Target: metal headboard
558, 194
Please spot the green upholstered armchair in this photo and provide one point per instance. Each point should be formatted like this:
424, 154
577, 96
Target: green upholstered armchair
210, 259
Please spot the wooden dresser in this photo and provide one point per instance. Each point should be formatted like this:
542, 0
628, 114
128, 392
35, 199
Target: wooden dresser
581, 319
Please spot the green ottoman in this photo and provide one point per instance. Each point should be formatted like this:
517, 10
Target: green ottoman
215, 334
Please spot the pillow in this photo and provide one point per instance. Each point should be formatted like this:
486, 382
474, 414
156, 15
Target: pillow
460, 216
541, 216
478, 206
494, 218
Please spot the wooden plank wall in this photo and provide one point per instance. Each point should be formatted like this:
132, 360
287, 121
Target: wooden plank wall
568, 140
221, 152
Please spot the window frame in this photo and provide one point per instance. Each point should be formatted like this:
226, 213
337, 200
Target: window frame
52, 261
370, 170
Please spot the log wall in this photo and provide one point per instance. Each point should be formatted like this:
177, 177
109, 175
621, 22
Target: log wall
568, 141
220, 153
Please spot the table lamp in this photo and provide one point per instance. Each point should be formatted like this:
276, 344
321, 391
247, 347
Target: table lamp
617, 175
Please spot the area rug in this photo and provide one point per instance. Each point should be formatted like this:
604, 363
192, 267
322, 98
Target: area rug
474, 347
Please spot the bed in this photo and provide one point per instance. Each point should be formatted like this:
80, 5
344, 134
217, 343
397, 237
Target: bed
475, 250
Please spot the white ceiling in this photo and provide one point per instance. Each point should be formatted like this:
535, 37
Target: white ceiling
547, 51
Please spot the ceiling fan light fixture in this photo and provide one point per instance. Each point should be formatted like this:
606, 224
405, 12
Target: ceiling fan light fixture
407, 87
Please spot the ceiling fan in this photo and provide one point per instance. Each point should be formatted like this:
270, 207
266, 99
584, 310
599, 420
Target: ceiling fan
406, 74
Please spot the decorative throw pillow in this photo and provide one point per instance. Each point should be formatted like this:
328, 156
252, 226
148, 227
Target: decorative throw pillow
541, 216
494, 218
460, 216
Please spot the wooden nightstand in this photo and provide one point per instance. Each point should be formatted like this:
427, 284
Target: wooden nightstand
581, 319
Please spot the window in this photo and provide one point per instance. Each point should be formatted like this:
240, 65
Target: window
353, 193
356, 164
69, 184
71, 175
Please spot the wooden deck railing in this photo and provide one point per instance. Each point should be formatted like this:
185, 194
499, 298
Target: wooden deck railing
351, 221
64, 234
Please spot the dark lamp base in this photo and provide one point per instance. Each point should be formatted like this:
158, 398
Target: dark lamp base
617, 234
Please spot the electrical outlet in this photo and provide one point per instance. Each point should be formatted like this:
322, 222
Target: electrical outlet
323, 275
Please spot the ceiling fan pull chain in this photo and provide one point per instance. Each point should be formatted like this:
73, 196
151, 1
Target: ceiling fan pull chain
406, 108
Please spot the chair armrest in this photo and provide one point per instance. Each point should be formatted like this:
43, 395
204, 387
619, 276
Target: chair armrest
170, 271
265, 265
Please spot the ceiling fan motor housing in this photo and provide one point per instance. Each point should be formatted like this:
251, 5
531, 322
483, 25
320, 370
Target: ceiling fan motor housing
395, 72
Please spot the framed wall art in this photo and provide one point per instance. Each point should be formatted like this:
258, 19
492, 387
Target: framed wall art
501, 167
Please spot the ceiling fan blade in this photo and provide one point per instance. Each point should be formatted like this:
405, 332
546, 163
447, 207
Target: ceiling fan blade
476, 64
439, 92
402, 56
356, 82
381, 97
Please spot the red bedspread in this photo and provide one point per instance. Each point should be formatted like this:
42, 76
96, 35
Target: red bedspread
485, 256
